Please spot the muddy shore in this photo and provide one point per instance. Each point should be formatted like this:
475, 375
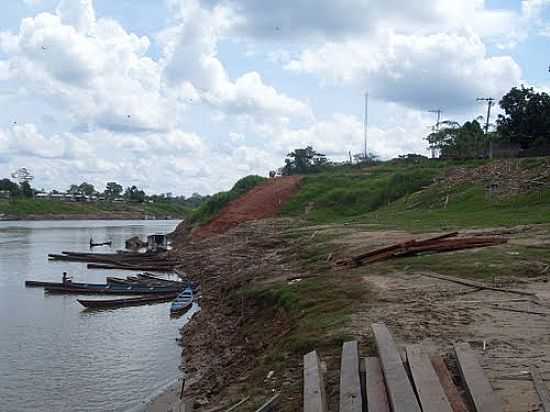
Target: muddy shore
251, 334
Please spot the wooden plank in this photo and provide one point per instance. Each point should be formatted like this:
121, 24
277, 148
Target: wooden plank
475, 380
430, 392
401, 394
351, 399
457, 403
315, 399
377, 400
541, 388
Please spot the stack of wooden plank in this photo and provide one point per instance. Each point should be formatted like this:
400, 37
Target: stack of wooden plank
122, 261
412, 382
442, 243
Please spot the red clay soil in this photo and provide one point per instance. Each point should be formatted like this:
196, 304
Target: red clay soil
261, 202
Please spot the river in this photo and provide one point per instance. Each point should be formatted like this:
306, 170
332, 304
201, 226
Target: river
54, 356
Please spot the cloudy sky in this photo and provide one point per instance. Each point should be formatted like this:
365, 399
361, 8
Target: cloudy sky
187, 96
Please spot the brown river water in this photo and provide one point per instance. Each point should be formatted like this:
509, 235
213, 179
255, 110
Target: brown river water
55, 356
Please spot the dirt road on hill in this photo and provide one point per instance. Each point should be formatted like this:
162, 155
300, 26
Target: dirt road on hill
261, 202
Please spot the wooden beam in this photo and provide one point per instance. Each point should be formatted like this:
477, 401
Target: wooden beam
377, 400
475, 380
400, 390
315, 399
541, 388
476, 284
430, 392
351, 399
269, 405
457, 403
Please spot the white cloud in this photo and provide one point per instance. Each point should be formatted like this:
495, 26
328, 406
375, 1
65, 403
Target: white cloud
442, 70
190, 58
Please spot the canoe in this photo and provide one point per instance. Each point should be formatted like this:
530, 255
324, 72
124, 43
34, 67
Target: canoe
37, 283
118, 303
183, 301
120, 281
130, 290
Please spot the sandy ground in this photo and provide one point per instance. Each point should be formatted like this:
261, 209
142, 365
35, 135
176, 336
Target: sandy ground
437, 313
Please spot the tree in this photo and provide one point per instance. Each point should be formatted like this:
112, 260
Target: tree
527, 117
302, 161
26, 189
132, 193
113, 190
74, 189
12, 187
454, 141
86, 188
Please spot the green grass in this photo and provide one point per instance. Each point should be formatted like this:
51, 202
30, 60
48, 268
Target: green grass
467, 206
339, 195
483, 264
396, 195
217, 202
25, 207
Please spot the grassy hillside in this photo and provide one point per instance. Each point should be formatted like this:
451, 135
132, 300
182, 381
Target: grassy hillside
25, 207
212, 206
420, 196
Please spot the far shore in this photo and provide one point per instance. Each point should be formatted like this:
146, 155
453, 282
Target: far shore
94, 216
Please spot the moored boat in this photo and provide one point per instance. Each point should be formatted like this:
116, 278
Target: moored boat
117, 303
183, 301
110, 290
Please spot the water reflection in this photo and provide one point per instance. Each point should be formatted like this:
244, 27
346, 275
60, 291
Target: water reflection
54, 356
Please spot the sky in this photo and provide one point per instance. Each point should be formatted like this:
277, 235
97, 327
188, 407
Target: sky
187, 96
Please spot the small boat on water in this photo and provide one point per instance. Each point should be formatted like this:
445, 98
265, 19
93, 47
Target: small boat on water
118, 303
110, 290
183, 301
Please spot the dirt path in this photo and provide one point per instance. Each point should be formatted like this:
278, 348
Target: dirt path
261, 202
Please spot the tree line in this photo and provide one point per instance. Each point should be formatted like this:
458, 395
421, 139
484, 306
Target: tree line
112, 191
523, 125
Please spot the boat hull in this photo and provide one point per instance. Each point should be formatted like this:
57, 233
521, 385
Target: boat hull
119, 303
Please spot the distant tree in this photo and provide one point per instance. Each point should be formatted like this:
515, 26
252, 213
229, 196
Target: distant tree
26, 189
527, 117
413, 158
454, 141
113, 190
12, 187
302, 161
73, 189
134, 194
86, 188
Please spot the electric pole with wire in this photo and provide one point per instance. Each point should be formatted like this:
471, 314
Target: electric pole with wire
365, 154
437, 112
490, 102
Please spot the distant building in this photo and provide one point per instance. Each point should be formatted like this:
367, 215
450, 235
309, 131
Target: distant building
5, 195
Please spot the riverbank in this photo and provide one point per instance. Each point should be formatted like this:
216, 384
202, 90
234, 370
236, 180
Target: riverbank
271, 294
33, 209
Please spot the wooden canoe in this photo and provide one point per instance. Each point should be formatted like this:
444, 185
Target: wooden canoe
118, 303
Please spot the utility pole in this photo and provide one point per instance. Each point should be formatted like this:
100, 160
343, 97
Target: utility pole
490, 102
366, 125
437, 123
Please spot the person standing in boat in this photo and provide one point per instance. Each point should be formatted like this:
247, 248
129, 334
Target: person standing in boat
66, 279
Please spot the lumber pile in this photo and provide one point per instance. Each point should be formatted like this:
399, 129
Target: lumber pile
122, 261
412, 382
443, 243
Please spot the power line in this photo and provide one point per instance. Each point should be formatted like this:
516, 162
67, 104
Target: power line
490, 102
437, 123
366, 124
